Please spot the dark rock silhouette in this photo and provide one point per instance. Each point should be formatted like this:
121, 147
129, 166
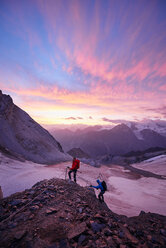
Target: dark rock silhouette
152, 138
78, 153
58, 213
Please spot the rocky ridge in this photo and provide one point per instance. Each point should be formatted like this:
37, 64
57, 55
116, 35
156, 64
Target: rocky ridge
56, 213
78, 153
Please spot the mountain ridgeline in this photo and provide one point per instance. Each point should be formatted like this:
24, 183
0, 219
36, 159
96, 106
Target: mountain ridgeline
116, 141
24, 137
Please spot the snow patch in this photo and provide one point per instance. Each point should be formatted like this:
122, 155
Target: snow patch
138, 195
156, 165
155, 158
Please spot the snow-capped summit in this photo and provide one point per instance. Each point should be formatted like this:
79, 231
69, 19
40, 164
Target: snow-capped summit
158, 126
22, 135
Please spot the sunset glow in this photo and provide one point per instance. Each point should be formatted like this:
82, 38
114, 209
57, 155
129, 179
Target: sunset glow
73, 61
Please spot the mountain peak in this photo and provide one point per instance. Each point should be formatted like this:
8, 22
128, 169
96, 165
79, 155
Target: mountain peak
20, 134
6, 103
121, 127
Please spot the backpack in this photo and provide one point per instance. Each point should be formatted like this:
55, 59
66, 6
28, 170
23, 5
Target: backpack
78, 164
104, 185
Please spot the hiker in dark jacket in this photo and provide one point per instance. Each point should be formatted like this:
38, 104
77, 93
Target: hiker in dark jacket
102, 191
74, 168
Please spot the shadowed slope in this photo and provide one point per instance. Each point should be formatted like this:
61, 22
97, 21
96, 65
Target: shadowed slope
23, 136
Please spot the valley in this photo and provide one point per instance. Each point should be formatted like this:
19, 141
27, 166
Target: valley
130, 157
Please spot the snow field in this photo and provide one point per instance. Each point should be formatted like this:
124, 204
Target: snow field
126, 194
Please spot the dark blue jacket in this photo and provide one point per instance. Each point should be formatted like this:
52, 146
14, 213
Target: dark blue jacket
99, 186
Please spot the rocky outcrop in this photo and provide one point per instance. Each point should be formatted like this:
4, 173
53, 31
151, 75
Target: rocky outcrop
57, 213
21, 135
78, 153
6, 106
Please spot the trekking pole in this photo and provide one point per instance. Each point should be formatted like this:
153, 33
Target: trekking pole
66, 173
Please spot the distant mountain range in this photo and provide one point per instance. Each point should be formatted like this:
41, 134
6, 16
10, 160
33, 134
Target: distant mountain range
159, 126
24, 137
119, 140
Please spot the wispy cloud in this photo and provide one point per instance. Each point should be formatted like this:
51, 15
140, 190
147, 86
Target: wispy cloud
160, 111
70, 118
74, 118
98, 56
114, 121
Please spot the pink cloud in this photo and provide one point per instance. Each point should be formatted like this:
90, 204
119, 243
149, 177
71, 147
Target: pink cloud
101, 99
68, 69
80, 47
112, 67
163, 87
161, 70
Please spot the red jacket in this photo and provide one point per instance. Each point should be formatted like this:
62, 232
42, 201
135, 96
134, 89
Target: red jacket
75, 165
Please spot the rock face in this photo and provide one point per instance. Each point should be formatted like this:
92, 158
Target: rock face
78, 153
152, 139
56, 213
20, 134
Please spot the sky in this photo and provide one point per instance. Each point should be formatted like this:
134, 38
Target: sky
84, 61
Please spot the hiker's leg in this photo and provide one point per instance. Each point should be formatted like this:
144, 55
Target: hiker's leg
70, 174
102, 197
99, 196
75, 172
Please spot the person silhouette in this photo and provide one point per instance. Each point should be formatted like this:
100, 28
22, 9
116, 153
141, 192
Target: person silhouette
74, 168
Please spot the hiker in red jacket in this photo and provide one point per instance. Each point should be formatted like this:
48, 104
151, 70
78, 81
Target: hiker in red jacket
74, 168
